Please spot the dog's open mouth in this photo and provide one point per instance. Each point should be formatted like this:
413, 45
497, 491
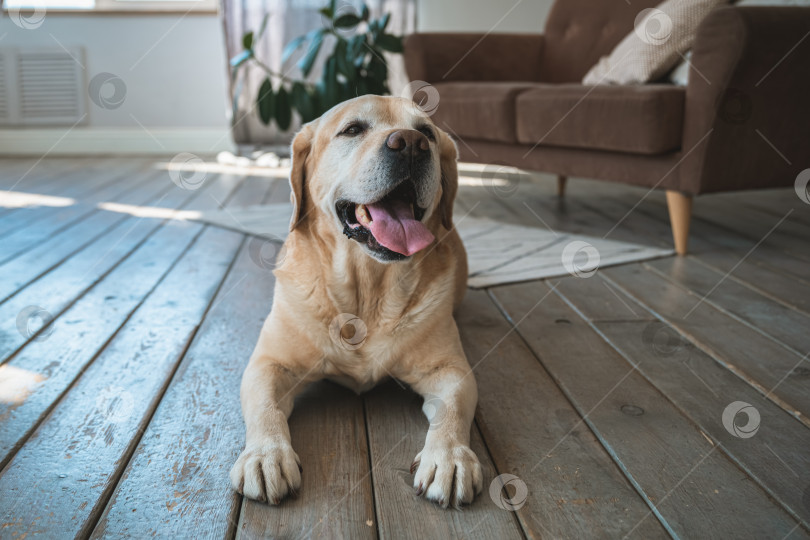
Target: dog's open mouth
391, 227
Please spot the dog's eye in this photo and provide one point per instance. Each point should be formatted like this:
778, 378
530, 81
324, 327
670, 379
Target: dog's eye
353, 129
427, 131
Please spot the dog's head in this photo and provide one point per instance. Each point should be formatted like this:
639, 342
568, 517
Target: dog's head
378, 171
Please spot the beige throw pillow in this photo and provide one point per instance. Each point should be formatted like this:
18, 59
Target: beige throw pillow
661, 35
680, 75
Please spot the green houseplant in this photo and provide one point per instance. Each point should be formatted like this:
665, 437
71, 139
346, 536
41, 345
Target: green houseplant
355, 67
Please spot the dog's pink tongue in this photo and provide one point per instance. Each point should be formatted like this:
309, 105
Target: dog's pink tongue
395, 227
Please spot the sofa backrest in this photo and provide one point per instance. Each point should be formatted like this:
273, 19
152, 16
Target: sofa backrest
579, 32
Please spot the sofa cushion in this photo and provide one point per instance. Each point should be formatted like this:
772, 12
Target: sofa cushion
644, 119
660, 38
479, 110
579, 32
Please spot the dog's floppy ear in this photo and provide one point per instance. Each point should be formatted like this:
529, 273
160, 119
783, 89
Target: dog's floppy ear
299, 152
448, 154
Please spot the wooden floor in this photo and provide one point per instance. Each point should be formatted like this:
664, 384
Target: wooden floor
605, 397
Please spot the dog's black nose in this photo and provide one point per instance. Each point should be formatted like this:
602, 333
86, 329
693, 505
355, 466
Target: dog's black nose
407, 141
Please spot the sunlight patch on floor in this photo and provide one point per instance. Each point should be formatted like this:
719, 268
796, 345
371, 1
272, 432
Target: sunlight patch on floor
17, 384
149, 211
223, 168
20, 199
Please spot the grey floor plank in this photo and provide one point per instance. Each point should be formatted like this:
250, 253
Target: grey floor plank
82, 193
84, 329
691, 487
773, 319
531, 430
187, 449
396, 430
90, 434
165, 458
773, 369
38, 253
776, 455
58, 289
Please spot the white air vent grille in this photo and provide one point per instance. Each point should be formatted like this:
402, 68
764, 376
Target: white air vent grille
4, 108
42, 87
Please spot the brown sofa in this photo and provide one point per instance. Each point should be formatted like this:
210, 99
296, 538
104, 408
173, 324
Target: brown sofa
743, 121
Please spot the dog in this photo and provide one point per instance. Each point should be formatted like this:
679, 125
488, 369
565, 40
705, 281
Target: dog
365, 290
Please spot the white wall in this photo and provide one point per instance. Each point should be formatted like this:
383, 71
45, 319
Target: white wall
482, 15
174, 69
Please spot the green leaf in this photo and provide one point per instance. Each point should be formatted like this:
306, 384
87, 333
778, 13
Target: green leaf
375, 87
364, 14
356, 51
283, 110
376, 65
317, 104
241, 58
346, 91
326, 12
330, 83
390, 43
262, 27
306, 63
361, 87
302, 102
343, 65
291, 47
348, 20
384, 21
247, 40
265, 101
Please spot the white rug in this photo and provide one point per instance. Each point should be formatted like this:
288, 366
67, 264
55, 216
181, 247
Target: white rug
497, 252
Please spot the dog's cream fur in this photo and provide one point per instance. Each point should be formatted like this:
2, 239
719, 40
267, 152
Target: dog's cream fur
406, 307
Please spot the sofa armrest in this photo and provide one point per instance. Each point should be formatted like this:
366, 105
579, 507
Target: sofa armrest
746, 113
434, 57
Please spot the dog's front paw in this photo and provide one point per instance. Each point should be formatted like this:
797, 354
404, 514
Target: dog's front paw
267, 472
447, 473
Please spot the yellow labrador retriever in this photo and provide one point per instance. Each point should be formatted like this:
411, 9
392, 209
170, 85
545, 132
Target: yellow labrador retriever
370, 275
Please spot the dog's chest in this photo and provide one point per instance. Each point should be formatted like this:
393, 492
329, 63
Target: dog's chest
361, 354
359, 351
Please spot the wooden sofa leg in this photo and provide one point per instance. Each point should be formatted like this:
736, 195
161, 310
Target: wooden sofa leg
680, 214
561, 180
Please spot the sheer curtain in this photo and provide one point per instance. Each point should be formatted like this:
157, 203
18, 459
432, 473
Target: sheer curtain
287, 20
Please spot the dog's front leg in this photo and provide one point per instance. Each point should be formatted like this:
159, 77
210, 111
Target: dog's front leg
447, 470
268, 469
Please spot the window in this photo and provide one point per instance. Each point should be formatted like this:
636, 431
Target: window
113, 6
